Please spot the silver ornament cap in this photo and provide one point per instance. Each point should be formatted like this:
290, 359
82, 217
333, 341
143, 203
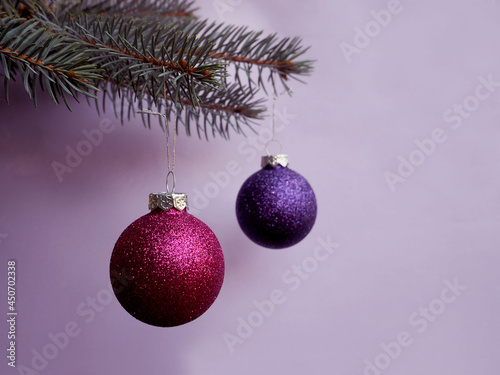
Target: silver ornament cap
274, 160
165, 201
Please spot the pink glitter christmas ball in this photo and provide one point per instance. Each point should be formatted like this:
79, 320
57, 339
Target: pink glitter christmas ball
167, 268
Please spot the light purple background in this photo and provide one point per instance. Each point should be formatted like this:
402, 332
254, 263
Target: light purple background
351, 123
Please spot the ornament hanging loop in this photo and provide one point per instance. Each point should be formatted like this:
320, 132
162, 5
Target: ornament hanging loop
170, 191
273, 140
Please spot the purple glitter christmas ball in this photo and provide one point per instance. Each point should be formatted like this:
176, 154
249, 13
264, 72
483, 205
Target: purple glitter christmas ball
167, 268
276, 207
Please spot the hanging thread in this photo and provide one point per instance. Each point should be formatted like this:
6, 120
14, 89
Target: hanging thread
170, 163
273, 124
171, 167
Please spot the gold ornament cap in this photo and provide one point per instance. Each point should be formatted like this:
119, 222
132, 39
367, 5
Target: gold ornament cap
165, 201
274, 160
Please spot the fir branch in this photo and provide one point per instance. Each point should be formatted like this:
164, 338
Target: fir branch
218, 111
127, 51
247, 49
141, 42
128, 8
141, 53
61, 66
235, 106
28, 9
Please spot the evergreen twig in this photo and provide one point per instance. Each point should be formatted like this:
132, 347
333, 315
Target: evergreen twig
134, 51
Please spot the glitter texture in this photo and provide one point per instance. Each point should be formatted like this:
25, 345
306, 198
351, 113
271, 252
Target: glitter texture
167, 268
276, 207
